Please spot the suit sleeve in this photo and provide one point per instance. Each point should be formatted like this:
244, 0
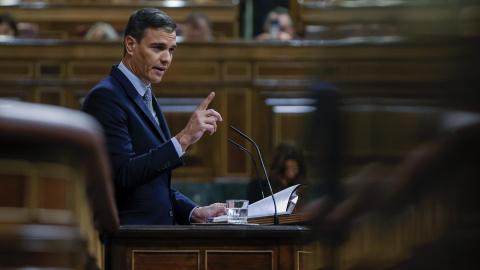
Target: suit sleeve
183, 207
129, 170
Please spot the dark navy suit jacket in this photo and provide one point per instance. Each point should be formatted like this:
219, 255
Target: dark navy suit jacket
141, 153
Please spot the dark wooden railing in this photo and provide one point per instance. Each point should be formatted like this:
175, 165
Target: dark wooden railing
56, 195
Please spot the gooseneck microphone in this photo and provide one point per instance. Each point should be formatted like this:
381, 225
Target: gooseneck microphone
275, 216
254, 164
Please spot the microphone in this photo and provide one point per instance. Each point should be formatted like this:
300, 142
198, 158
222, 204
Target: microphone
275, 216
254, 164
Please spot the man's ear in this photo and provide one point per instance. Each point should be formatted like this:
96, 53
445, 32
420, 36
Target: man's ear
130, 44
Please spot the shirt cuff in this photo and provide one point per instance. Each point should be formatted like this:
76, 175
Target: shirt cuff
191, 213
180, 153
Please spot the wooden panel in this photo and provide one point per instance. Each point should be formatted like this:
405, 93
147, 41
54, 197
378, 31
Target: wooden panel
237, 71
365, 247
239, 259
225, 29
218, 247
391, 71
193, 71
290, 127
398, 132
16, 69
50, 95
14, 94
50, 69
16, 193
165, 259
284, 70
78, 97
237, 105
12, 190
387, 131
358, 132
303, 258
89, 69
345, 71
315, 255
52, 193
58, 259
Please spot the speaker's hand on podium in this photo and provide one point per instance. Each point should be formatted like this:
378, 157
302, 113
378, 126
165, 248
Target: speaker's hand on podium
201, 214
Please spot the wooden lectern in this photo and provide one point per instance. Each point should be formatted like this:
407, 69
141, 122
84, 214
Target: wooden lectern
207, 247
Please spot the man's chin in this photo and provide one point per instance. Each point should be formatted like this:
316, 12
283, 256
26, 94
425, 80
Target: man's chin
156, 80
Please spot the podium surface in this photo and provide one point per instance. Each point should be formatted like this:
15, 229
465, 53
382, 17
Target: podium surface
207, 247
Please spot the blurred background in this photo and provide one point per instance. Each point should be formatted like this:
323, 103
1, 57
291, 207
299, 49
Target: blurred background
351, 83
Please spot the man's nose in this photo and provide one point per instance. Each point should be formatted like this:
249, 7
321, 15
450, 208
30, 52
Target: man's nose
165, 57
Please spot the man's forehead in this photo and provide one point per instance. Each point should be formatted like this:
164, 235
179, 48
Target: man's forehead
152, 34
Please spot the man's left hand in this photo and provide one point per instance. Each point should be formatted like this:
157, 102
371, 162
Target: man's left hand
201, 214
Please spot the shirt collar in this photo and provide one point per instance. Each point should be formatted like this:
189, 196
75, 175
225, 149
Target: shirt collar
139, 85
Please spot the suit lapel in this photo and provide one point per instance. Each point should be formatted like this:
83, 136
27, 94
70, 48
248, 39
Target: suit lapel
161, 118
137, 99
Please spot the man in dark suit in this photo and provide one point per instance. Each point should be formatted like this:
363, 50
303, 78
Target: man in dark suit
142, 151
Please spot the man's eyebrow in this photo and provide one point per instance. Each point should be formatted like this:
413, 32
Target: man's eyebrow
155, 44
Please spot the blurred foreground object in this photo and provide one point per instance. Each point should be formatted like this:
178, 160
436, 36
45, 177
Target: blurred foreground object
408, 174
56, 197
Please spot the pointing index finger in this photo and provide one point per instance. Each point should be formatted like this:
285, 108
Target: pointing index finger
204, 104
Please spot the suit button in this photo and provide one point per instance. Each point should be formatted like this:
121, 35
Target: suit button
171, 213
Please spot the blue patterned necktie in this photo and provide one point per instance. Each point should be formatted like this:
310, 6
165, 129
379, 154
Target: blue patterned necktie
148, 98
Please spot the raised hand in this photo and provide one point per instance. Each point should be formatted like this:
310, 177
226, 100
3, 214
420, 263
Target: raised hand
203, 119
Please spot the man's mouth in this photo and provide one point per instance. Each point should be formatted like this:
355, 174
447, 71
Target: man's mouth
160, 68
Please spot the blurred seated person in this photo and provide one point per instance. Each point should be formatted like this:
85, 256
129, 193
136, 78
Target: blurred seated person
278, 25
469, 20
449, 162
446, 166
197, 27
101, 31
8, 25
287, 169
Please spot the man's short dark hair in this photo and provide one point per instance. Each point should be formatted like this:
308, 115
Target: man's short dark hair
147, 18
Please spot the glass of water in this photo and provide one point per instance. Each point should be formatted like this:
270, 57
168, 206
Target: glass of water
237, 211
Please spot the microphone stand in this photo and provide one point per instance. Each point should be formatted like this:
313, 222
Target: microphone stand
254, 164
275, 217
